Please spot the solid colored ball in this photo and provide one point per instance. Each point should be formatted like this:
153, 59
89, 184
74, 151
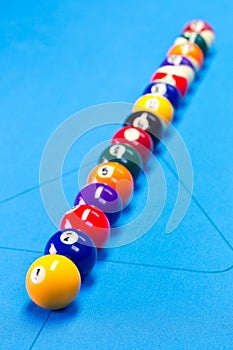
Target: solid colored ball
103, 197
179, 65
75, 245
189, 50
125, 155
53, 281
167, 90
155, 104
203, 28
136, 138
90, 220
115, 175
179, 82
148, 122
193, 37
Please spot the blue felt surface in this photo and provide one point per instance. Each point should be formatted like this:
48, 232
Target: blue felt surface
163, 291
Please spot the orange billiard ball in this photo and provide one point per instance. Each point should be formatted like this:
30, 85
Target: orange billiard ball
190, 51
115, 175
53, 281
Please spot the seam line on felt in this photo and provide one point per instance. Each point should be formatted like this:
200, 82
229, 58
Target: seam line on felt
133, 263
40, 330
167, 267
211, 221
19, 194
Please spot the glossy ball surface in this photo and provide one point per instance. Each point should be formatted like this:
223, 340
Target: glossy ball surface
136, 138
53, 282
179, 82
148, 122
115, 175
103, 197
125, 155
89, 219
193, 38
167, 90
189, 50
179, 65
155, 104
76, 246
203, 28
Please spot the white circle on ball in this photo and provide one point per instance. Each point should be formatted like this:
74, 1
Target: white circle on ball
197, 25
152, 103
105, 171
175, 59
159, 89
38, 274
132, 134
69, 237
117, 150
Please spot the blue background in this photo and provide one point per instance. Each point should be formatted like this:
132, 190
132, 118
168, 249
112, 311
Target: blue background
161, 291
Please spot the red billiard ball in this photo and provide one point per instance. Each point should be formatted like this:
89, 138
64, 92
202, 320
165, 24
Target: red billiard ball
203, 28
137, 138
90, 220
179, 82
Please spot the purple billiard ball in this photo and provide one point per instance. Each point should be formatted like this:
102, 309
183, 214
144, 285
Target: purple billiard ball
177, 60
103, 197
75, 245
167, 90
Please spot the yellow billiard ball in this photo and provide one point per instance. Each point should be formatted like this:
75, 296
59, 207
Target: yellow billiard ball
158, 105
53, 281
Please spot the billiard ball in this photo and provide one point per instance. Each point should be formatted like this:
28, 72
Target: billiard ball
189, 50
203, 28
167, 90
125, 155
148, 122
115, 175
136, 138
53, 281
75, 245
103, 197
90, 220
180, 83
177, 60
155, 104
197, 25
193, 38
179, 65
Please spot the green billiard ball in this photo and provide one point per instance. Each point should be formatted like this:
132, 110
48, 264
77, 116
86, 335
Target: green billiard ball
194, 38
125, 155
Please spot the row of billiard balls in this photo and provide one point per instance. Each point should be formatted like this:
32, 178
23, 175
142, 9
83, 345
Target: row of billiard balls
54, 280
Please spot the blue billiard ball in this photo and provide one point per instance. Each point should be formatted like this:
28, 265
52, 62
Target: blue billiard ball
167, 90
75, 245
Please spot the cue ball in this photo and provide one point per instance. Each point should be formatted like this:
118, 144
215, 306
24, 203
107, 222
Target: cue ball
75, 245
53, 282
